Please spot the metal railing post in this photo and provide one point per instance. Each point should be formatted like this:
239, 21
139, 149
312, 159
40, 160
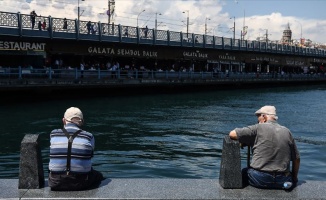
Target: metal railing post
100, 31
20, 72
120, 33
20, 26
76, 72
77, 28
154, 36
50, 73
50, 29
138, 35
168, 37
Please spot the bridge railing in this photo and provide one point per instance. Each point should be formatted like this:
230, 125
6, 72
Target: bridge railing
9, 19
91, 74
17, 24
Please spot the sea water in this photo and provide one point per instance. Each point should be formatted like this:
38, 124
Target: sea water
169, 135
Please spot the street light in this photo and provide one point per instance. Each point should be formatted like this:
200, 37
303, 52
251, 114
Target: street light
233, 28
187, 21
138, 16
156, 23
110, 12
156, 20
266, 36
206, 24
79, 10
301, 32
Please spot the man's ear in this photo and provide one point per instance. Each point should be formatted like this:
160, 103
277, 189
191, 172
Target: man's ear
265, 118
63, 121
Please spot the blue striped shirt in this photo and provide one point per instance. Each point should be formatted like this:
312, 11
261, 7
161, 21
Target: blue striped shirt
81, 151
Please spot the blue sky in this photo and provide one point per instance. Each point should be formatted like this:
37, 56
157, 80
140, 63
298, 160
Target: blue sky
307, 18
313, 9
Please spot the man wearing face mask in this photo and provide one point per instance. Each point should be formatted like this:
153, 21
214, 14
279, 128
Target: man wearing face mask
71, 151
273, 149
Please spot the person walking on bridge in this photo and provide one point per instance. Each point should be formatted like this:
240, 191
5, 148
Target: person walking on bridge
71, 152
273, 148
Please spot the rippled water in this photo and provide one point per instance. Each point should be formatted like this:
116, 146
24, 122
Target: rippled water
170, 136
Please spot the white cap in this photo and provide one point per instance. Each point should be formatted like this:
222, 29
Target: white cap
268, 110
73, 112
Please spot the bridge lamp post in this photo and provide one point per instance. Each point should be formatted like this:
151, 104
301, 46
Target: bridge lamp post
301, 31
206, 24
156, 19
156, 23
138, 16
233, 28
79, 10
187, 21
111, 5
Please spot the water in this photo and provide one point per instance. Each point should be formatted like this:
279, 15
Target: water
169, 136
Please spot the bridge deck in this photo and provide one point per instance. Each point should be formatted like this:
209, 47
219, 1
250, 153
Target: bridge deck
164, 189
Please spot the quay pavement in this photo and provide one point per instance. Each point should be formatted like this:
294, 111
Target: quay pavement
33, 185
164, 189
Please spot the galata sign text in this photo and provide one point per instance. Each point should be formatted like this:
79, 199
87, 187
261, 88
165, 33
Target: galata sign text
226, 57
122, 52
195, 54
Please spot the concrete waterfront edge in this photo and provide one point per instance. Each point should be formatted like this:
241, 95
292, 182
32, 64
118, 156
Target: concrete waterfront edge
164, 189
35, 187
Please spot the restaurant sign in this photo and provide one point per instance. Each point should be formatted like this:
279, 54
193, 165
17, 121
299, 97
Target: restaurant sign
122, 52
195, 54
24, 46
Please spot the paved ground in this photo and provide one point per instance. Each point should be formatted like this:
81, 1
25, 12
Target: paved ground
164, 189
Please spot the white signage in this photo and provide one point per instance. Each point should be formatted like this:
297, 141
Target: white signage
35, 46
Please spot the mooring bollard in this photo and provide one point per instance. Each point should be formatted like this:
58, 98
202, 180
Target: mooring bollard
230, 169
31, 174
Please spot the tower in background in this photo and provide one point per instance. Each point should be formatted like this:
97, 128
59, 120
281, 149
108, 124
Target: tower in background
287, 35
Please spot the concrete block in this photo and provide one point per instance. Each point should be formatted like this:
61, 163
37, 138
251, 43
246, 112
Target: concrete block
31, 174
230, 169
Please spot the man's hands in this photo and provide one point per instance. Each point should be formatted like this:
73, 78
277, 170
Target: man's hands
233, 135
242, 145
